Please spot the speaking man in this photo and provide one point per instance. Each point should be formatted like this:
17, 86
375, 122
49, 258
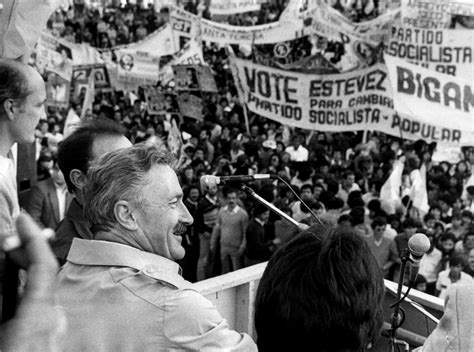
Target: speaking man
122, 290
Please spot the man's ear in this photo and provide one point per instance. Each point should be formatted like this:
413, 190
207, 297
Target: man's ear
77, 178
124, 215
9, 108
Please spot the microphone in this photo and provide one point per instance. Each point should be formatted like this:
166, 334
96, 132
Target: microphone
418, 245
211, 180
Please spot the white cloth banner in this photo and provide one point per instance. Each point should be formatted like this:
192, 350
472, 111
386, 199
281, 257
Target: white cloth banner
328, 22
158, 43
54, 55
21, 24
433, 98
136, 67
231, 7
338, 102
437, 14
442, 50
187, 25
191, 54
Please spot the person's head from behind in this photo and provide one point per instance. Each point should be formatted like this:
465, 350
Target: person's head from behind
323, 289
22, 98
89, 141
143, 206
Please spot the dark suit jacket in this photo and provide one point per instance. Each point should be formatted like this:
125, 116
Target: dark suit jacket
257, 247
73, 225
43, 204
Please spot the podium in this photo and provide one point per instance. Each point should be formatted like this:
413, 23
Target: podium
422, 314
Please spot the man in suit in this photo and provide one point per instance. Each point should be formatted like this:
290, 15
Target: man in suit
258, 247
49, 199
90, 140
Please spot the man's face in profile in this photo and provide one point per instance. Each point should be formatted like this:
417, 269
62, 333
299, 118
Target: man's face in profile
160, 213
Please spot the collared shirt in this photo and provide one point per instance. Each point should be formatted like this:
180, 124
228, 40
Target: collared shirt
234, 210
118, 298
444, 282
61, 193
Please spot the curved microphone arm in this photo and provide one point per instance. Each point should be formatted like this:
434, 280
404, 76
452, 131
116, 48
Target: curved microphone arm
270, 206
298, 197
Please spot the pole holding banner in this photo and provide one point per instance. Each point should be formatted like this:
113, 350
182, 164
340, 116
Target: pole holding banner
247, 126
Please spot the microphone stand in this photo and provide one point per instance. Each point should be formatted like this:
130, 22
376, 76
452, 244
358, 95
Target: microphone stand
396, 318
270, 206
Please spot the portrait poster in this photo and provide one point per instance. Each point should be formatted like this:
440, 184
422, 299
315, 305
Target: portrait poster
155, 100
190, 105
194, 77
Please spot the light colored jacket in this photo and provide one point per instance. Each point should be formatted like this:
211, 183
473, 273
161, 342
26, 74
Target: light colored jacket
118, 298
455, 331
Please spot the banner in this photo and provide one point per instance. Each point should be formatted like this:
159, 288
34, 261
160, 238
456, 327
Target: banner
438, 14
21, 24
54, 55
328, 22
232, 7
191, 54
158, 43
136, 67
194, 77
338, 102
441, 50
84, 54
439, 106
188, 26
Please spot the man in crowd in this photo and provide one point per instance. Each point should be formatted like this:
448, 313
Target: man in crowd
91, 140
22, 98
299, 210
206, 216
297, 151
123, 289
453, 275
49, 199
429, 265
230, 229
347, 186
259, 247
382, 247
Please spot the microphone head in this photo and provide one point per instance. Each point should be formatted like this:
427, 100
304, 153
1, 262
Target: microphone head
419, 244
208, 181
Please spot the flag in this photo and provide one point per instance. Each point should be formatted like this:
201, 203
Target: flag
89, 98
21, 23
390, 191
174, 138
418, 192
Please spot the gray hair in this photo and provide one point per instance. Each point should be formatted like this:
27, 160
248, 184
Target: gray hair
13, 82
116, 176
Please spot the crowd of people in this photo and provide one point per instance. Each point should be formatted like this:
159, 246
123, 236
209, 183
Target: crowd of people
337, 175
155, 212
